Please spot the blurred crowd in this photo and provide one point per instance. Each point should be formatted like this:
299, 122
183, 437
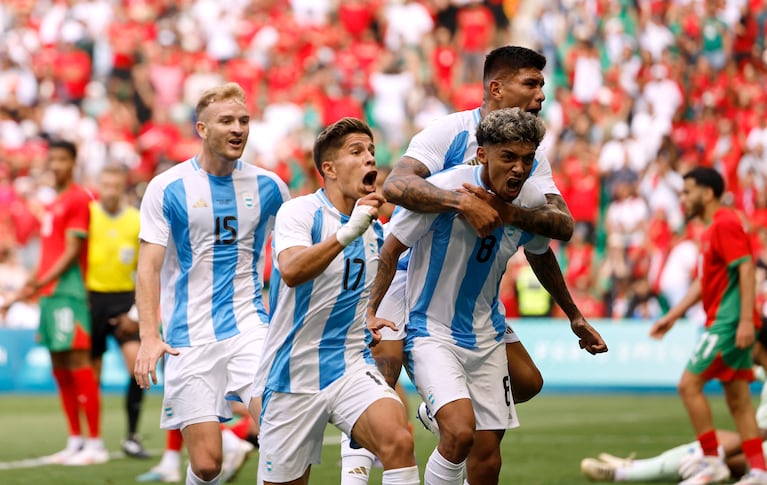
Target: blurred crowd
637, 92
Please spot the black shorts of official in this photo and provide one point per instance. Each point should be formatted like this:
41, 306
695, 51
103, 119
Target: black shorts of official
103, 307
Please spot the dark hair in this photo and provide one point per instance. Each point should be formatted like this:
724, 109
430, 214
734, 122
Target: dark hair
64, 145
332, 139
511, 58
510, 125
707, 177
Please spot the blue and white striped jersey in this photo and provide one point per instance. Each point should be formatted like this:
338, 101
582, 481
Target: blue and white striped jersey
453, 275
451, 140
317, 330
214, 230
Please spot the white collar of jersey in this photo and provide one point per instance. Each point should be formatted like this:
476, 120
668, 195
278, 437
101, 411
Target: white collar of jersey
324, 198
477, 115
478, 177
196, 164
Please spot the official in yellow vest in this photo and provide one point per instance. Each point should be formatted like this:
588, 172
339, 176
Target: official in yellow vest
110, 279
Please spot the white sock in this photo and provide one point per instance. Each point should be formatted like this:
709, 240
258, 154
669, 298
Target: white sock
170, 459
658, 468
401, 476
75, 442
355, 463
192, 479
94, 444
229, 440
440, 471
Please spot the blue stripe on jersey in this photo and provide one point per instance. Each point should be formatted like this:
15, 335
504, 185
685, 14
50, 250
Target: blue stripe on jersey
477, 269
455, 153
270, 200
225, 255
274, 289
279, 373
403, 261
175, 211
442, 226
341, 318
499, 319
265, 398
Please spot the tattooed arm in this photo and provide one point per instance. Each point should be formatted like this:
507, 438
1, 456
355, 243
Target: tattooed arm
387, 266
406, 186
546, 268
552, 220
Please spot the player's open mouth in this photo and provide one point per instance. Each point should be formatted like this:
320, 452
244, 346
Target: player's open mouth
514, 185
237, 142
369, 180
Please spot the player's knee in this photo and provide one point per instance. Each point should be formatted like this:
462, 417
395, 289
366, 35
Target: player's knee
456, 441
207, 470
398, 447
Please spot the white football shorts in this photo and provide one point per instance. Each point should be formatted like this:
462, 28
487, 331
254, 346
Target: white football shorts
293, 425
199, 378
444, 372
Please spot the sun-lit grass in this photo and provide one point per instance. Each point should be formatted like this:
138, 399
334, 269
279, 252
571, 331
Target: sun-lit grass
557, 431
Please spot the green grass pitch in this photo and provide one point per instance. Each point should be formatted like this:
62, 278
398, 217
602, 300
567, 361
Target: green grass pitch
557, 431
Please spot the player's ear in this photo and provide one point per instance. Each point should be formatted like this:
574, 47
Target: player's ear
494, 88
329, 169
202, 130
481, 156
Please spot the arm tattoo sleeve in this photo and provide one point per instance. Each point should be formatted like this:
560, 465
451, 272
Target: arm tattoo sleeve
387, 267
546, 268
405, 186
552, 220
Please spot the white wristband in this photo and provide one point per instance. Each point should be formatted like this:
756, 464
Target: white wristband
356, 225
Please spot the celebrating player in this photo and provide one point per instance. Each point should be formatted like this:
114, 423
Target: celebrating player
203, 227
454, 346
317, 366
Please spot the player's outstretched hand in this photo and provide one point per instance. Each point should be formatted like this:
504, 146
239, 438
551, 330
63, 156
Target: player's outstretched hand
375, 324
660, 327
588, 338
478, 208
149, 354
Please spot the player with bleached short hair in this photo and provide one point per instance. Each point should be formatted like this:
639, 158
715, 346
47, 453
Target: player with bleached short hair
454, 346
317, 366
204, 223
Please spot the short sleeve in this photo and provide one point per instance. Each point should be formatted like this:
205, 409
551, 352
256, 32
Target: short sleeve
79, 215
293, 225
537, 245
542, 175
153, 223
408, 226
730, 240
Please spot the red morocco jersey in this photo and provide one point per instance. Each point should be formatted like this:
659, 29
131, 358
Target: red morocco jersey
69, 212
724, 245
